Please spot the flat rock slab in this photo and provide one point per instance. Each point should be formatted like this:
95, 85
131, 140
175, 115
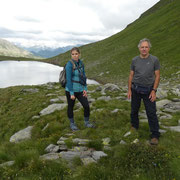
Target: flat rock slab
9, 163
52, 148
162, 103
50, 156
96, 155
51, 108
21, 135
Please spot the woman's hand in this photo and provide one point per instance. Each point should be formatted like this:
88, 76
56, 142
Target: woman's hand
85, 93
72, 97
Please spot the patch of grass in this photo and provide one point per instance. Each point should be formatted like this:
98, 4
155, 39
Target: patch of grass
96, 144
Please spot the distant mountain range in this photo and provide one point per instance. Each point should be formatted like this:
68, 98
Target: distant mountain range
9, 49
47, 52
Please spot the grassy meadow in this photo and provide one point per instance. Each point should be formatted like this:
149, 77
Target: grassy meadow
129, 161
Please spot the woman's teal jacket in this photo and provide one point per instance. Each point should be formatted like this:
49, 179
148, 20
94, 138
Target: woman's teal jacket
73, 75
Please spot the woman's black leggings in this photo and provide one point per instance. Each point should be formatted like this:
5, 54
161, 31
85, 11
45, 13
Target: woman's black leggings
82, 99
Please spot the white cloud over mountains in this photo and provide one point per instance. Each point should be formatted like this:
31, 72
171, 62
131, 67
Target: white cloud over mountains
66, 22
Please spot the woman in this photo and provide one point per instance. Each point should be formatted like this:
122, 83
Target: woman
76, 88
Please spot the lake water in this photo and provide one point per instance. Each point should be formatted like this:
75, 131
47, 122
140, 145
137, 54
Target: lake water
13, 73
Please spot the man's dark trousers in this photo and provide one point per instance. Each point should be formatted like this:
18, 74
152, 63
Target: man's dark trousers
150, 111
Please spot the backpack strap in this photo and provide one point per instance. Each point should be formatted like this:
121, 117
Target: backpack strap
74, 66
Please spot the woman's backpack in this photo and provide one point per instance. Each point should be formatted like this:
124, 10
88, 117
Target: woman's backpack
62, 75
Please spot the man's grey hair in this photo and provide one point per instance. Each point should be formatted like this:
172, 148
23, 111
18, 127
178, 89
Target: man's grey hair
144, 40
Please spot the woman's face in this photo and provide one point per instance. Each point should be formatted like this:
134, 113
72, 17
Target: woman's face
75, 55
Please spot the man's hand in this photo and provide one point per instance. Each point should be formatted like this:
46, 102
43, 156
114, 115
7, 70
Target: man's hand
73, 97
152, 96
85, 93
129, 94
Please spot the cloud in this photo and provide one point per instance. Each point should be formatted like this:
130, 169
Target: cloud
66, 22
27, 19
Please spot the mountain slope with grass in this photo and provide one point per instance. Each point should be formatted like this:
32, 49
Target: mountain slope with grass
109, 60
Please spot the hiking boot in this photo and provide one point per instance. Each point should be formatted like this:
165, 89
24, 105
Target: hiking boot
88, 124
154, 141
73, 127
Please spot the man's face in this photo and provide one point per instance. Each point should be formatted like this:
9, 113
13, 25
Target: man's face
144, 49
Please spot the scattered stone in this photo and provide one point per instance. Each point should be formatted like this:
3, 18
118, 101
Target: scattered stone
143, 115
97, 110
61, 143
99, 88
50, 156
105, 98
35, 117
98, 154
162, 131
51, 94
70, 134
101, 74
107, 148
80, 148
80, 141
166, 116
21, 135
54, 100
47, 125
63, 147
51, 108
176, 100
91, 100
20, 99
110, 87
169, 110
30, 90
144, 120
62, 139
121, 98
161, 93
162, 103
87, 160
115, 111
8, 163
122, 142
176, 91
69, 155
106, 141
127, 134
135, 141
60, 98
52, 148
173, 128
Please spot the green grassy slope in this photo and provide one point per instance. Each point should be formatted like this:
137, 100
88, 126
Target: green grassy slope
113, 55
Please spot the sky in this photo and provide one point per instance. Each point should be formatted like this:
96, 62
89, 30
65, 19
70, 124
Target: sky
58, 23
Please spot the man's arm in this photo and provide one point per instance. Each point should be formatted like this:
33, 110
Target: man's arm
152, 95
130, 84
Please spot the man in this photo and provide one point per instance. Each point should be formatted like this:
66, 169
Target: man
142, 84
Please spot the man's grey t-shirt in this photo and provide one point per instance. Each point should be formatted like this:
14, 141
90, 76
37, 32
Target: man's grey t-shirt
144, 69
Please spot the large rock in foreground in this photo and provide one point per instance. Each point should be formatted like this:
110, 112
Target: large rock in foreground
21, 135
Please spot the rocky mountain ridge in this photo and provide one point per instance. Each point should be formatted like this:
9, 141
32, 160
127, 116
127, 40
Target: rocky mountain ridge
9, 49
